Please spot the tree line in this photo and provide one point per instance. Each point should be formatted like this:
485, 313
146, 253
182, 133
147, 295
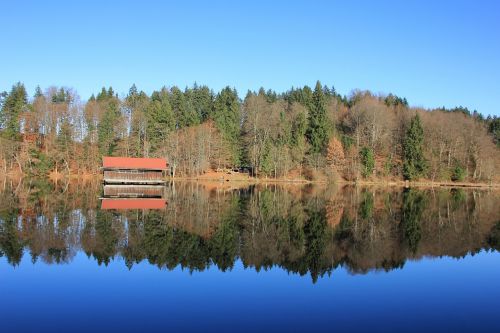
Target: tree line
312, 133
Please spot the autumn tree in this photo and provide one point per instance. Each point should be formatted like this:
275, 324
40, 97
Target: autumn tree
298, 143
136, 105
335, 153
257, 127
60, 142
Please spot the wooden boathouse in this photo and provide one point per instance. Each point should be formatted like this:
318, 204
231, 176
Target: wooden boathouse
130, 170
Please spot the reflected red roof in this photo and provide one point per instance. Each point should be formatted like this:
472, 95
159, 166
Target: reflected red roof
134, 163
124, 204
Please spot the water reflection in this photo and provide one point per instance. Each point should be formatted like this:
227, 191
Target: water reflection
130, 197
308, 230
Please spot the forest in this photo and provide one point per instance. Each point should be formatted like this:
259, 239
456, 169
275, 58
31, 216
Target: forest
303, 133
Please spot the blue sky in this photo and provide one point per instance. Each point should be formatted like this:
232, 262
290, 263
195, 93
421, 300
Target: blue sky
434, 53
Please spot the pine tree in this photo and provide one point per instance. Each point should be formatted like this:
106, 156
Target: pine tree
414, 164
227, 119
201, 99
61, 96
65, 136
105, 94
318, 131
183, 108
161, 120
15, 103
133, 90
299, 129
367, 161
494, 129
38, 92
107, 132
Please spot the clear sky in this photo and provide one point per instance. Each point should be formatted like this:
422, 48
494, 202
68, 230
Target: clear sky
434, 53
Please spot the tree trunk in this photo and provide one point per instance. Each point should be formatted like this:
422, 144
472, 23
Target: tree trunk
19, 164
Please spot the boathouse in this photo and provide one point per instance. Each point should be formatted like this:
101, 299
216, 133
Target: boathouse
129, 170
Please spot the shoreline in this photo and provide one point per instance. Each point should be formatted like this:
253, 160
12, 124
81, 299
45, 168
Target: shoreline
392, 183
253, 181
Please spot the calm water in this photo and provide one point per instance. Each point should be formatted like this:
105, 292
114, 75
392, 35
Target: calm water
295, 258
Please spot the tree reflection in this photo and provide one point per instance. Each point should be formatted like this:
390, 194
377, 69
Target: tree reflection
315, 234
10, 243
494, 237
223, 244
413, 206
304, 230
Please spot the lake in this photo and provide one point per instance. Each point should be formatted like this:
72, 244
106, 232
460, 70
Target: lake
227, 257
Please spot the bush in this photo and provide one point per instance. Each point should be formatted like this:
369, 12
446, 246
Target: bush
41, 164
458, 174
347, 142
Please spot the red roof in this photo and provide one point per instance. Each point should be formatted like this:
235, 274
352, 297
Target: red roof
134, 163
124, 204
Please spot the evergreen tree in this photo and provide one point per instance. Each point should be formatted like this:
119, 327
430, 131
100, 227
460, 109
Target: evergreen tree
161, 119
201, 101
303, 96
227, 119
183, 108
65, 136
494, 129
107, 131
414, 164
271, 96
299, 129
38, 92
367, 161
318, 131
133, 90
103, 95
265, 159
61, 96
13, 105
